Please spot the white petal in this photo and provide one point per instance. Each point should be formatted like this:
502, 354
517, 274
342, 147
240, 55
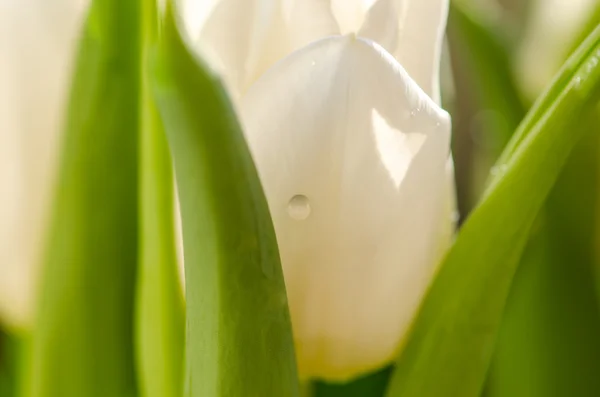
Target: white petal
414, 36
352, 156
195, 13
37, 39
350, 14
382, 23
243, 38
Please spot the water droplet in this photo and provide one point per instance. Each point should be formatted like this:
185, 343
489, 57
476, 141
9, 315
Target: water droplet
299, 207
577, 81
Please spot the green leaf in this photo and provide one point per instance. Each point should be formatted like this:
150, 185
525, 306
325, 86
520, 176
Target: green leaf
545, 347
239, 340
548, 344
372, 385
14, 364
83, 342
451, 342
8, 365
160, 308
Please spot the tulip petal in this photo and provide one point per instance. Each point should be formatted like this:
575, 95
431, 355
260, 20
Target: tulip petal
352, 155
243, 38
350, 14
195, 14
415, 37
37, 41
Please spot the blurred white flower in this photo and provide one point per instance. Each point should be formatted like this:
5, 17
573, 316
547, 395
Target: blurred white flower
37, 43
352, 148
551, 34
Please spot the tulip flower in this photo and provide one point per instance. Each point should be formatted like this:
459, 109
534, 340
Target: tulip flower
340, 106
37, 43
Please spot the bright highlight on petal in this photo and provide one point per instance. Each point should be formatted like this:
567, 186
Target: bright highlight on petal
397, 149
352, 155
350, 14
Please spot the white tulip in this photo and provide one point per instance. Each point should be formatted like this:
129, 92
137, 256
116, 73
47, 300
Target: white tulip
340, 104
352, 148
37, 43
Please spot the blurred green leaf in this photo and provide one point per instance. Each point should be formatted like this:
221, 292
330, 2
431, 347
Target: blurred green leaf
451, 342
548, 344
591, 23
482, 54
239, 340
584, 58
83, 342
372, 385
160, 307
489, 107
14, 364
7, 366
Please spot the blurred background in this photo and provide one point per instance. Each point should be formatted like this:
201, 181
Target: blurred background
499, 57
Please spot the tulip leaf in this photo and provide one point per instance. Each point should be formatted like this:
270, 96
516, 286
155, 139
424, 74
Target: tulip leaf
450, 346
14, 364
546, 347
83, 340
8, 361
159, 307
239, 340
371, 385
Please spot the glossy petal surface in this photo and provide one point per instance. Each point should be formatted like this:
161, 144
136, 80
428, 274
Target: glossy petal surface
243, 38
352, 156
414, 37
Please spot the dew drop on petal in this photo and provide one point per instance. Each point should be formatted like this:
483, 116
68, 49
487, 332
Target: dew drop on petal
299, 207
